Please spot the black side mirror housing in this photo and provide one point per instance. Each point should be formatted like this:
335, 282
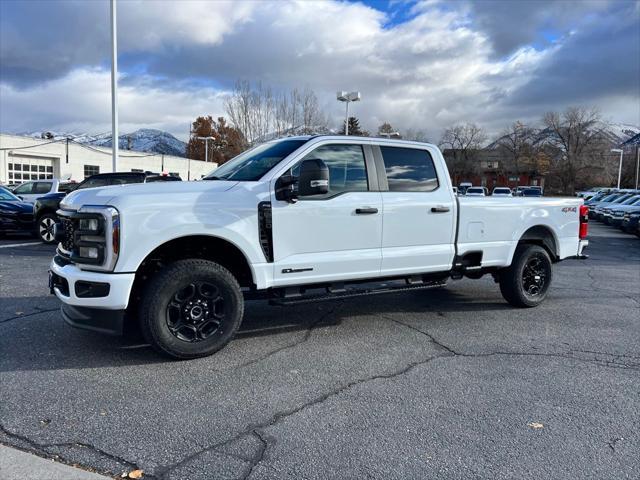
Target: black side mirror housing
314, 178
286, 188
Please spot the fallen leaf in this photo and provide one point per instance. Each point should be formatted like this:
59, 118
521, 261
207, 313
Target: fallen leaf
136, 474
19, 313
535, 425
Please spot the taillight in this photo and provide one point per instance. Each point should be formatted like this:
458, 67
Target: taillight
584, 222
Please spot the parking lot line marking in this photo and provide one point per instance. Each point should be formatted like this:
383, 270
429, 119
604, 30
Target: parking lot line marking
11, 245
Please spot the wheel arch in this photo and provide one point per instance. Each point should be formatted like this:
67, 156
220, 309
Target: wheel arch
206, 247
543, 236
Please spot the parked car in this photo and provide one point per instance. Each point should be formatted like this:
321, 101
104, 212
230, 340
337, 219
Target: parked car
462, 188
45, 207
16, 216
598, 211
630, 221
531, 192
29, 191
294, 220
476, 192
501, 192
613, 214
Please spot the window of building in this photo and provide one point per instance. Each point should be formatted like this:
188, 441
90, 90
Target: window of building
11, 166
41, 168
91, 170
409, 169
49, 169
347, 168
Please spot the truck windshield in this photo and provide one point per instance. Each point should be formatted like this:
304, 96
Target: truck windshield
253, 164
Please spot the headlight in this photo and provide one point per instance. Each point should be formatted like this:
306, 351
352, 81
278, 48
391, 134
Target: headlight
90, 224
90, 236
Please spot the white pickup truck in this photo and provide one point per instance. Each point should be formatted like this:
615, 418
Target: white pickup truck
295, 220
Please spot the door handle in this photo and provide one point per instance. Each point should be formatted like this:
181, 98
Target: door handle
439, 209
366, 211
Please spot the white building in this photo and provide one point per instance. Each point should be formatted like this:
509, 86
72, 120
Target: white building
27, 158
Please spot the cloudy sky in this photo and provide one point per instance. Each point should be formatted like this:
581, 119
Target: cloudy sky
423, 65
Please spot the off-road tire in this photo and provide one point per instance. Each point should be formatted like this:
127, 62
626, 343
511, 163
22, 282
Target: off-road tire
156, 308
514, 280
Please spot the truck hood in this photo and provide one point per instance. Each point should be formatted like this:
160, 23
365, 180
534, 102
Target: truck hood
142, 192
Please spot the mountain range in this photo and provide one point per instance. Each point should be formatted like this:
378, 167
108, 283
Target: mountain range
143, 140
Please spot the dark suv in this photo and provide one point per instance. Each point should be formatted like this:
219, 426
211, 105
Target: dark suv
45, 208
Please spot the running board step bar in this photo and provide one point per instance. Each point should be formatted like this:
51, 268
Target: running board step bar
338, 292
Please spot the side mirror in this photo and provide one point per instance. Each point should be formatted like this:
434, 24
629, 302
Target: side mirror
314, 178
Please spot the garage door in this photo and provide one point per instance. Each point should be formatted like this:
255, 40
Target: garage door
20, 169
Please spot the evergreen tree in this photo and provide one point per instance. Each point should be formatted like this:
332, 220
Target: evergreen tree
354, 127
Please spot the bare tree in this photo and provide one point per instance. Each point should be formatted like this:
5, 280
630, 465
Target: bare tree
415, 135
461, 144
251, 110
577, 137
517, 145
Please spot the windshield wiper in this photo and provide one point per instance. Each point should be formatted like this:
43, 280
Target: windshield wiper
213, 178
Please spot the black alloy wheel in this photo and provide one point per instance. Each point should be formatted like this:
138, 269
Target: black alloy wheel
195, 312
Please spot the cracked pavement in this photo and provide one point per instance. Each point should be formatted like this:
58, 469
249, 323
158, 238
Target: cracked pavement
431, 384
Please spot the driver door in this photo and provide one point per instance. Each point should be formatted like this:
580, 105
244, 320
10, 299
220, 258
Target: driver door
334, 236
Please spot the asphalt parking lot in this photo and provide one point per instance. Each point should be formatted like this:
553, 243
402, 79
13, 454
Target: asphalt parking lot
439, 384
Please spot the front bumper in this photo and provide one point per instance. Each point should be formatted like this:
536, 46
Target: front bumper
110, 322
66, 276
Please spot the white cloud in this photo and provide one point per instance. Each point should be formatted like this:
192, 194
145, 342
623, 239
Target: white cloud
438, 68
81, 102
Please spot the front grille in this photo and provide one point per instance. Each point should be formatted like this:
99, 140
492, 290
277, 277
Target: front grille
26, 217
67, 235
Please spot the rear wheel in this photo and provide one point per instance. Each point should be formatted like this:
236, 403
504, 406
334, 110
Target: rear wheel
525, 283
192, 308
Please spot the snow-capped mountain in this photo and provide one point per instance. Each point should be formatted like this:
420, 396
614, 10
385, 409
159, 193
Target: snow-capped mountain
142, 140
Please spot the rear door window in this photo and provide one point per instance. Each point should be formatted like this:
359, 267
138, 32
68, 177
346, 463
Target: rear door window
42, 187
125, 179
409, 169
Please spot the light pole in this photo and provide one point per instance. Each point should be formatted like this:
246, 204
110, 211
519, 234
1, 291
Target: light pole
637, 164
621, 151
206, 146
347, 97
114, 88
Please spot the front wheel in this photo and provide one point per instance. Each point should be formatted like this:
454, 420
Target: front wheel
526, 282
45, 227
191, 308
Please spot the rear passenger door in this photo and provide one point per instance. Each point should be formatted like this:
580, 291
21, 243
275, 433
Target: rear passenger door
418, 205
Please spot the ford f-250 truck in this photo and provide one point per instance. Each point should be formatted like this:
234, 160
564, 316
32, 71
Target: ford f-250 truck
295, 220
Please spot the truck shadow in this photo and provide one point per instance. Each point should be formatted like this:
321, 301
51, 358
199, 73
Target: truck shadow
40, 340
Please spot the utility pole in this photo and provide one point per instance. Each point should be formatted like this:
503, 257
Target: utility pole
621, 152
114, 87
67, 151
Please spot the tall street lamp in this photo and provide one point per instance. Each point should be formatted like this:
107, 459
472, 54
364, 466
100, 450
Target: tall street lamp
206, 146
114, 88
621, 151
347, 97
